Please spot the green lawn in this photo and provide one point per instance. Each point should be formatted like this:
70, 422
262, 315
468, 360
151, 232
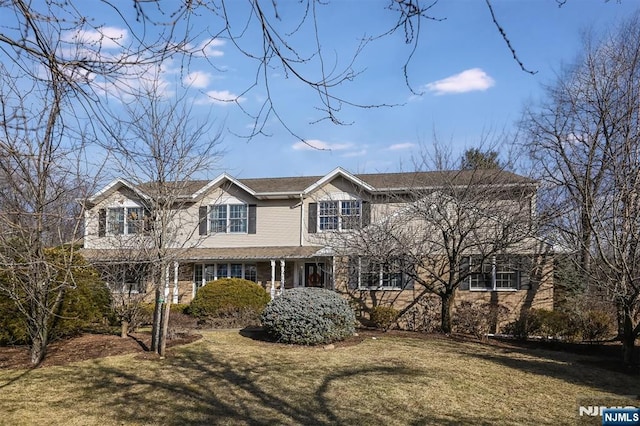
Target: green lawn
226, 378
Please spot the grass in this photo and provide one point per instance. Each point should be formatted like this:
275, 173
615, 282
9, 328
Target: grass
226, 378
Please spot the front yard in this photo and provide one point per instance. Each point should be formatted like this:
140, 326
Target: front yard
228, 378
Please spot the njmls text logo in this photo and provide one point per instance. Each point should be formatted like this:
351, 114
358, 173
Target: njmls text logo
621, 416
595, 410
612, 416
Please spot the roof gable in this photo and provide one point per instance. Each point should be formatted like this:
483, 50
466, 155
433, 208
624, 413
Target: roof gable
114, 186
294, 187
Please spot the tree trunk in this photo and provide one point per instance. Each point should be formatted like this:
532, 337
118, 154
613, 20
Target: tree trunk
124, 328
157, 313
165, 327
447, 306
628, 338
38, 349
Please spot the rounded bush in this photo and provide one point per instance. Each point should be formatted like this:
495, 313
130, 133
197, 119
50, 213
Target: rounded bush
227, 297
596, 325
383, 317
309, 316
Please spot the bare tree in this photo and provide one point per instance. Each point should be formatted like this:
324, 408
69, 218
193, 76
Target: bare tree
56, 67
584, 141
160, 149
39, 165
452, 225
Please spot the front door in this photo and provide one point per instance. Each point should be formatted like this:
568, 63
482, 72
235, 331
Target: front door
314, 274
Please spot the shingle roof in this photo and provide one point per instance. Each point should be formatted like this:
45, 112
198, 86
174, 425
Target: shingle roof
379, 181
386, 181
227, 253
280, 184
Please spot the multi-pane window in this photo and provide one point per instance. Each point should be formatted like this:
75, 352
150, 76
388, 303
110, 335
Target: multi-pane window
218, 218
198, 276
228, 218
507, 274
251, 273
115, 221
204, 273
237, 218
495, 273
370, 274
222, 270
328, 215
135, 220
235, 270
128, 280
338, 215
350, 214
125, 220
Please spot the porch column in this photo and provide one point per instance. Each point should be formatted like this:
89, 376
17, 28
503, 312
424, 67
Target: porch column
166, 282
281, 276
273, 278
175, 282
333, 273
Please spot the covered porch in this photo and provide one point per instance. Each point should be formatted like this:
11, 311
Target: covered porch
274, 268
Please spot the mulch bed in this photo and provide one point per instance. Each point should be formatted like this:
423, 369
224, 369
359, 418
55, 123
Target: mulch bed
84, 347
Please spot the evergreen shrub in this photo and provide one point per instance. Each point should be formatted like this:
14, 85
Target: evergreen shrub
86, 304
309, 316
383, 317
229, 298
478, 318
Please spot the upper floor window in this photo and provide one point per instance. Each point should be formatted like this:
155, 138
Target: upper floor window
339, 215
125, 220
228, 218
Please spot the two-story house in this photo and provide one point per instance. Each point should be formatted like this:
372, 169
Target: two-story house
290, 232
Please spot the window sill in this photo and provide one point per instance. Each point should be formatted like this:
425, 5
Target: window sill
228, 233
497, 290
380, 289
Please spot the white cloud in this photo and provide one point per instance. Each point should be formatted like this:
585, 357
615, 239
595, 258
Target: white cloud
209, 48
198, 79
105, 37
467, 81
401, 146
221, 97
315, 144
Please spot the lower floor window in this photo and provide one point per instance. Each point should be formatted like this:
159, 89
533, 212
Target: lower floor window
494, 273
203, 273
367, 273
125, 278
129, 287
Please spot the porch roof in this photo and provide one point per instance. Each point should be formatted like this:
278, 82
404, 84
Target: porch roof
226, 253
253, 253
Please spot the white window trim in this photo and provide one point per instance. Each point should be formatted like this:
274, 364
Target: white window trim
215, 270
493, 280
348, 199
125, 224
380, 280
123, 288
228, 218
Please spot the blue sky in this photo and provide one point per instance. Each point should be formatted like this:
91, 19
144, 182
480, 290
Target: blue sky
470, 88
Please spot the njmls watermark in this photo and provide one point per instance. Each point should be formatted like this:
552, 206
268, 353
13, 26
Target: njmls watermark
624, 410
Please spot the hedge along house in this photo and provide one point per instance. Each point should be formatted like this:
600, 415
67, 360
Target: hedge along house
331, 231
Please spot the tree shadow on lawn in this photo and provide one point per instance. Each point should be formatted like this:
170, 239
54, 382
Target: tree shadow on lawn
207, 390
600, 372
